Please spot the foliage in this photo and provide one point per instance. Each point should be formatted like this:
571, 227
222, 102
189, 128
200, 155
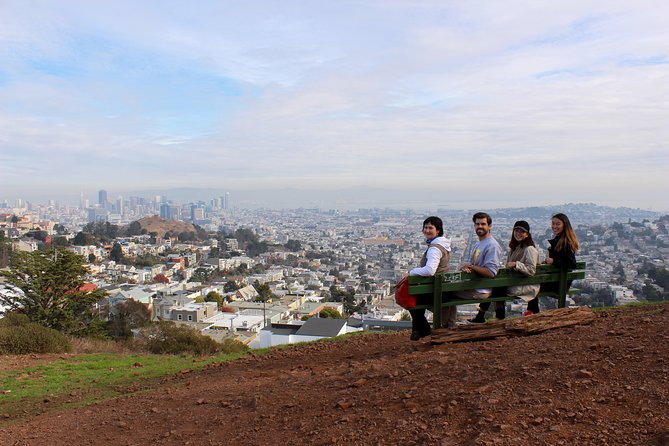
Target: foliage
331, 313
250, 242
264, 292
19, 336
105, 232
134, 228
293, 245
213, 296
125, 317
231, 286
51, 283
60, 229
83, 239
116, 253
168, 338
161, 278
143, 260
5, 250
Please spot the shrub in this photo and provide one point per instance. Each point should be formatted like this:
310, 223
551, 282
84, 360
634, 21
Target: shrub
169, 338
20, 336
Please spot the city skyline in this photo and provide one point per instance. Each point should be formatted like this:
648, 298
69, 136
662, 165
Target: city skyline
402, 104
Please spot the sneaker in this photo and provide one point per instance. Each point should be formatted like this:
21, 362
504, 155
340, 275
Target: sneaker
528, 313
415, 335
478, 319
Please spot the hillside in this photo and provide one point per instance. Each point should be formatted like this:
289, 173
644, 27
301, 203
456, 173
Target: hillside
159, 225
606, 383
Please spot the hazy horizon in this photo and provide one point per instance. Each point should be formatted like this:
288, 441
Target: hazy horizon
345, 199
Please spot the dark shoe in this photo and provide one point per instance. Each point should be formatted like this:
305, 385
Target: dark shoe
415, 335
478, 319
500, 313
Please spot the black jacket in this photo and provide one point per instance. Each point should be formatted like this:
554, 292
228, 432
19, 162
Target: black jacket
562, 259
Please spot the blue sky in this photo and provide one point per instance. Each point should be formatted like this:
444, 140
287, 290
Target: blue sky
495, 102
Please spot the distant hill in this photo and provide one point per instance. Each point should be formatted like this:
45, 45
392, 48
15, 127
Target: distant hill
159, 225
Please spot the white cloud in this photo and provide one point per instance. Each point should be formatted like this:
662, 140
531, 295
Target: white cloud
386, 93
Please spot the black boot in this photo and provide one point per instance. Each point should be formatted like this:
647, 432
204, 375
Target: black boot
500, 313
479, 318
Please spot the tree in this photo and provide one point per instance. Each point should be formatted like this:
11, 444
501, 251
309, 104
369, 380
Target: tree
127, 316
231, 286
264, 292
161, 278
116, 253
60, 229
331, 313
134, 228
293, 245
213, 296
5, 250
51, 291
83, 239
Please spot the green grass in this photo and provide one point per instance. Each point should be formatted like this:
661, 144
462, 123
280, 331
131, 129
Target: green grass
81, 380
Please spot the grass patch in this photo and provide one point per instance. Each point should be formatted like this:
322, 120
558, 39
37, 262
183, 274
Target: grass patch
85, 379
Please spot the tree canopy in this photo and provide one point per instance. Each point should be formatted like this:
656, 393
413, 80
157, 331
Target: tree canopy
51, 290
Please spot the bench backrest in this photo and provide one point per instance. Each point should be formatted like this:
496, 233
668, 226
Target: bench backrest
457, 281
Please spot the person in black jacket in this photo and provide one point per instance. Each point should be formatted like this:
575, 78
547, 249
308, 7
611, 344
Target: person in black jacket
561, 253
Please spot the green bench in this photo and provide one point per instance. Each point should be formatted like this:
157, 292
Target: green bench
458, 281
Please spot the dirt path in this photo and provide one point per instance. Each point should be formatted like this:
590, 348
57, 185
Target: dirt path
606, 383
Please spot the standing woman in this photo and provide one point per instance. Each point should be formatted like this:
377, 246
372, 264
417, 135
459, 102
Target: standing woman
561, 252
434, 260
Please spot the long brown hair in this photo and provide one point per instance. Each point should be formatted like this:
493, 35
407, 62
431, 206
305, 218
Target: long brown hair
568, 236
513, 243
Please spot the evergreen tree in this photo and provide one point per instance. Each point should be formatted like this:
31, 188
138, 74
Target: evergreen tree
50, 283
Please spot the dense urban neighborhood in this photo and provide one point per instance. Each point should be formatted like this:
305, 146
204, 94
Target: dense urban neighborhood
269, 277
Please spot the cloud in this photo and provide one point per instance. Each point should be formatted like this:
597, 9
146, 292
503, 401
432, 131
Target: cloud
320, 95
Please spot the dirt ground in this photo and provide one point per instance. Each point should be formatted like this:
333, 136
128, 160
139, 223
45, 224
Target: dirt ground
606, 383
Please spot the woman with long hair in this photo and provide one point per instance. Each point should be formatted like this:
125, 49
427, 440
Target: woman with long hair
561, 253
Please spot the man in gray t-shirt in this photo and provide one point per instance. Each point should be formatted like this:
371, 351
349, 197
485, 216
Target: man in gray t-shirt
485, 262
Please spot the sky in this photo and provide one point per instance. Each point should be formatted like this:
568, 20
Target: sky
496, 103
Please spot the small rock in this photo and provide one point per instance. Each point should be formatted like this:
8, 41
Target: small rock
584, 374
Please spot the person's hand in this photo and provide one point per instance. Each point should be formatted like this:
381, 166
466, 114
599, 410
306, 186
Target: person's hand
510, 264
548, 261
466, 267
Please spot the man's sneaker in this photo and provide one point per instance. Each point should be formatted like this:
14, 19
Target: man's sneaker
478, 319
528, 313
415, 335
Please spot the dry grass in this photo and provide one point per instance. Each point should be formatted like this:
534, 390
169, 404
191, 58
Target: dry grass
86, 345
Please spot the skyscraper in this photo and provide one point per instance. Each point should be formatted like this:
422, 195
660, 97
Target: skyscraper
102, 198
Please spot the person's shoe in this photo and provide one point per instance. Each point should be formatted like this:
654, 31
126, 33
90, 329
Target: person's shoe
528, 313
478, 319
415, 335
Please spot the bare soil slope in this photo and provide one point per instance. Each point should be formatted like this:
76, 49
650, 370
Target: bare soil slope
606, 383
159, 225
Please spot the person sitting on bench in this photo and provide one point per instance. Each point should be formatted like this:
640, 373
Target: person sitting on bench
484, 262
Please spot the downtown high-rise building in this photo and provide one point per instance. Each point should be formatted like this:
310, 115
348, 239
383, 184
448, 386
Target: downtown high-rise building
102, 198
